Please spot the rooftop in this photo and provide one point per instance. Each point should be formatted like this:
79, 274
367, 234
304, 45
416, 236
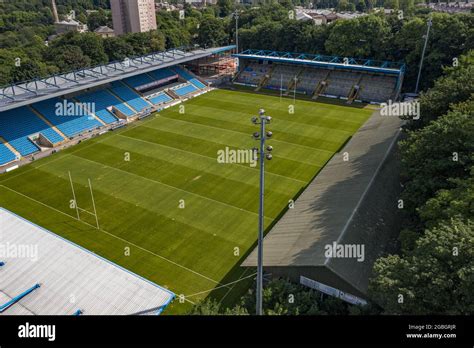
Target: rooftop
325, 211
33, 91
70, 278
368, 65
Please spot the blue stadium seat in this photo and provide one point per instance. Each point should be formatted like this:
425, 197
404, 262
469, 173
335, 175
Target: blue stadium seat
130, 96
17, 124
70, 125
104, 99
161, 73
6, 156
184, 74
160, 98
197, 83
186, 89
139, 80
187, 76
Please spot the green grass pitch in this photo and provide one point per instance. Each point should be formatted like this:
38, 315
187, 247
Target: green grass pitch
173, 157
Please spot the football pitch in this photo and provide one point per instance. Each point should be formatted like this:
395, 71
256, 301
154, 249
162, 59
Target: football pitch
166, 208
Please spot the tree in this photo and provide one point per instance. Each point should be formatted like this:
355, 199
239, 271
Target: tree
365, 37
342, 5
434, 154
225, 7
281, 297
143, 43
69, 57
211, 32
97, 19
117, 48
90, 44
457, 85
361, 6
437, 277
450, 203
449, 39
28, 70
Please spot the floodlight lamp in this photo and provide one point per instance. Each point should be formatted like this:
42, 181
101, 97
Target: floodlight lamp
269, 118
269, 156
269, 134
261, 112
254, 120
256, 135
269, 148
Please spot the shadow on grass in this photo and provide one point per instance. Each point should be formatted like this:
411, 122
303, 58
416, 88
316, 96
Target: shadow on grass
299, 96
231, 298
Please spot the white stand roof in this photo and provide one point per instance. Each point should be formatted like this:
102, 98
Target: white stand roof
70, 277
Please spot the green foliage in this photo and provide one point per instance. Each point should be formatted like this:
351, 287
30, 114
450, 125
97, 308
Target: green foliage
282, 297
97, 19
435, 272
117, 48
450, 203
433, 155
449, 38
437, 277
172, 28
211, 32
457, 85
225, 7
69, 57
364, 37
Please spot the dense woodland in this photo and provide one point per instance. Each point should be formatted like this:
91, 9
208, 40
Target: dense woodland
434, 269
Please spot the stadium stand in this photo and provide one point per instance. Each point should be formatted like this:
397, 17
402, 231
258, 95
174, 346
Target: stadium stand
197, 83
28, 119
17, 125
376, 88
103, 99
162, 74
6, 156
160, 98
41, 285
310, 79
340, 83
253, 73
282, 76
188, 77
368, 183
130, 97
70, 125
341, 77
139, 80
184, 89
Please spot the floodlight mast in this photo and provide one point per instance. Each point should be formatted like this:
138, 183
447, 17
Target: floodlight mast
429, 24
262, 136
236, 16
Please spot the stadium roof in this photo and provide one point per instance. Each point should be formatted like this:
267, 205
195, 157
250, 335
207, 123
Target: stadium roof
49, 275
29, 92
368, 65
340, 205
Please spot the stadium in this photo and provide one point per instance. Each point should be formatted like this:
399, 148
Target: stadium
118, 162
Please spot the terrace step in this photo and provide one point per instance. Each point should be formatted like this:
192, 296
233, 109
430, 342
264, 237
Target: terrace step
11, 148
47, 122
